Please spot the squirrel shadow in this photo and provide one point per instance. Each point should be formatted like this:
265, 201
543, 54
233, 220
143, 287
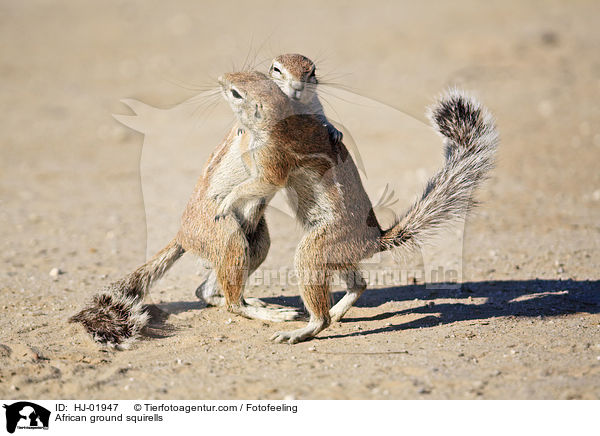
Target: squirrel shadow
504, 298
158, 314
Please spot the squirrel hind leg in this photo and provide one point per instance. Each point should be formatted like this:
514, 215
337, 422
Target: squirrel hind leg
356, 286
272, 314
209, 291
314, 326
316, 299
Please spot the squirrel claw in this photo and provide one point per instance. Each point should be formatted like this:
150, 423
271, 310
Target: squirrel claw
335, 136
219, 217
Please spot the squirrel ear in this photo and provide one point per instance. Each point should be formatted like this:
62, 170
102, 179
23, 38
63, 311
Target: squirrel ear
257, 113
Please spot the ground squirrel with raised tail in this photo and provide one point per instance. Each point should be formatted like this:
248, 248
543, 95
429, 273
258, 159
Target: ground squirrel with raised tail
293, 152
235, 246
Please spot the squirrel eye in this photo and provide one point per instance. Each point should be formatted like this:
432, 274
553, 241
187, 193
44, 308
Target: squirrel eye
277, 70
235, 93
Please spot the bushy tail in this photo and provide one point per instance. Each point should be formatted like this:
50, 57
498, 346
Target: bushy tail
116, 315
470, 139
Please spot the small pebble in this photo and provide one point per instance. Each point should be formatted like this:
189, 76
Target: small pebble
550, 38
55, 272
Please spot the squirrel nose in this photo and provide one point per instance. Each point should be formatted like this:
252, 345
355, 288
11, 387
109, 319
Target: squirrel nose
297, 85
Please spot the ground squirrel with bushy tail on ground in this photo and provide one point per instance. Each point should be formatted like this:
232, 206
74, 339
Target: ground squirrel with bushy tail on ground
235, 247
293, 152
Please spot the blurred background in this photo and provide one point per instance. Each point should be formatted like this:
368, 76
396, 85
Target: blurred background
65, 66
70, 175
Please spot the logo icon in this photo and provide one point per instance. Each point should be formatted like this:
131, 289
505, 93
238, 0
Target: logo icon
26, 415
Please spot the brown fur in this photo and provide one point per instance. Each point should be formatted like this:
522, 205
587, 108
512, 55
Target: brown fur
235, 247
292, 152
288, 148
297, 65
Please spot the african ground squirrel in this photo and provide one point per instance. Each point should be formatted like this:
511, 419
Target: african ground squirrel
295, 75
240, 243
293, 152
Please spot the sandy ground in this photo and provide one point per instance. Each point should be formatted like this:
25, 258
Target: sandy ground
524, 324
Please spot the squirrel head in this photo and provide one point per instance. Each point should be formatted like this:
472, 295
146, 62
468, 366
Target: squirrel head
256, 100
295, 74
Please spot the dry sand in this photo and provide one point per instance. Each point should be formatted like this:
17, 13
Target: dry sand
525, 324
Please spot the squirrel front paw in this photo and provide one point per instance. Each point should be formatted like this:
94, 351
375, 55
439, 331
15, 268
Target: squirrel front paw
221, 213
223, 209
335, 136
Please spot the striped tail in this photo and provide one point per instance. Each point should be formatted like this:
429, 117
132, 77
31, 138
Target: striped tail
116, 316
470, 140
